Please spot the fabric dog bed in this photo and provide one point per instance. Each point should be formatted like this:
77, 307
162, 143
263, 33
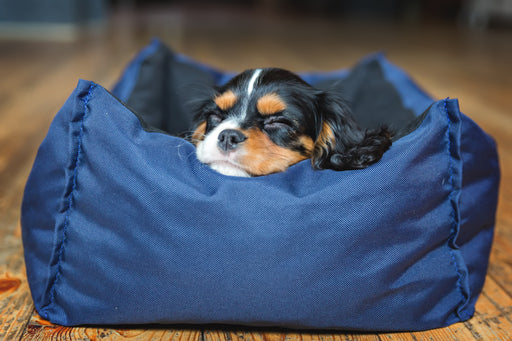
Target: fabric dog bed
123, 225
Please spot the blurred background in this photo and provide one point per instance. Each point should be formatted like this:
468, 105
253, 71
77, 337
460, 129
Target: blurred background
61, 19
22, 18
251, 30
235, 34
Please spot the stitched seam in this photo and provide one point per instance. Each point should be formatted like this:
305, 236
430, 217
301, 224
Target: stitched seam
453, 228
70, 204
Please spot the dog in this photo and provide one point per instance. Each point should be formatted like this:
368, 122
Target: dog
265, 120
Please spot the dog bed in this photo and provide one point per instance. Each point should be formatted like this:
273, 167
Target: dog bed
123, 225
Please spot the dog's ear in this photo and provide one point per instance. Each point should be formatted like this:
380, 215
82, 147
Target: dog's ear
340, 143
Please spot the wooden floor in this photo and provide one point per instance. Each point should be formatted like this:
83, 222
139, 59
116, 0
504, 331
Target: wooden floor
37, 77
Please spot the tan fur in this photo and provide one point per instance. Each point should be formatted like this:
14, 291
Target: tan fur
262, 156
326, 139
270, 104
226, 100
199, 133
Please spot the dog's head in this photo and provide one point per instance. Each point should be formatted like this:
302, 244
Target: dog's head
265, 120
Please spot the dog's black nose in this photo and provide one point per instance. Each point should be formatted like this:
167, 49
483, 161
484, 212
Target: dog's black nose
230, 138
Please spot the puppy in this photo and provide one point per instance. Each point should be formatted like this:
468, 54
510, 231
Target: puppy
265, 120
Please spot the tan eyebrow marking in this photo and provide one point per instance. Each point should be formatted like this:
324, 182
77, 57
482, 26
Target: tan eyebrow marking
270, 104
226, 100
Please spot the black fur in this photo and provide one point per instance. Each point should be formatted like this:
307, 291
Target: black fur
353, 147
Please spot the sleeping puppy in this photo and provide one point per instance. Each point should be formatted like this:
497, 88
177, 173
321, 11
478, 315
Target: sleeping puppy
265, 120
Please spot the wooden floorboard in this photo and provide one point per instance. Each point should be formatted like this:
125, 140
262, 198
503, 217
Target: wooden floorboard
445, 59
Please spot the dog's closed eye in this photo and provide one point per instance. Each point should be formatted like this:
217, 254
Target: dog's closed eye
276, 122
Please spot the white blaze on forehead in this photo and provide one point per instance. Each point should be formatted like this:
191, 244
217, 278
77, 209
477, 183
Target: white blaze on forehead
253, 79
250, 88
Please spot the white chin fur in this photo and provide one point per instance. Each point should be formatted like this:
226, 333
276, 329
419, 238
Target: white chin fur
227, 169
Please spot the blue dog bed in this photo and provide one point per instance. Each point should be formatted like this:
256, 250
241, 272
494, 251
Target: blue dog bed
123, 225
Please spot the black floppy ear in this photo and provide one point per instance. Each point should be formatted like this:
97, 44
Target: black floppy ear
341, 144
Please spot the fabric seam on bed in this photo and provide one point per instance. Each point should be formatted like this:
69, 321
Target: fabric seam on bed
453, 227
70, 203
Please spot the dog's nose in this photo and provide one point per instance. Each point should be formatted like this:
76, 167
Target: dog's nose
230, 138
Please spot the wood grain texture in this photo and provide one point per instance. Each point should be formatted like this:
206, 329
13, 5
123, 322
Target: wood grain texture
15, 302
37, 77
41, 330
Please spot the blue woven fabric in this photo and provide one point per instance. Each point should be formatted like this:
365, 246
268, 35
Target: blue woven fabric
125, 226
